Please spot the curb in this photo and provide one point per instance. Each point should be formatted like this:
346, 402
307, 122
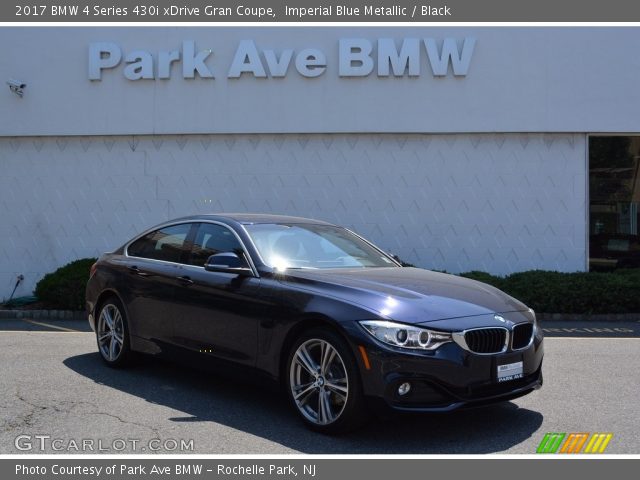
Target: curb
43, 314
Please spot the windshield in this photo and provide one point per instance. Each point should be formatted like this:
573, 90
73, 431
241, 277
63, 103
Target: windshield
313, 246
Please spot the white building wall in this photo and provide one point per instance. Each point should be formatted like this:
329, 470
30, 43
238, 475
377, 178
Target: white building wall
534, 79
495, 202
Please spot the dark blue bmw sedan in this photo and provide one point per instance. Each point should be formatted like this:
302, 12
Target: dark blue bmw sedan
337, 321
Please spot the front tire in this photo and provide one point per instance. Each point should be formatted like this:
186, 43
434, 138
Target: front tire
323, 382
112, 334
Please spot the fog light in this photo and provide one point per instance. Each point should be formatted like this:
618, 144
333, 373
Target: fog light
404, 389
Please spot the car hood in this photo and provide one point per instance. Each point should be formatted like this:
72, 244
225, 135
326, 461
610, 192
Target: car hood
409, 295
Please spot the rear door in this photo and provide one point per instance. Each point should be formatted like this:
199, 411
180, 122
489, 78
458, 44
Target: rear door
153, 268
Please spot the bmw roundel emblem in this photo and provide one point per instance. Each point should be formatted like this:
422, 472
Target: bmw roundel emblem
499, 318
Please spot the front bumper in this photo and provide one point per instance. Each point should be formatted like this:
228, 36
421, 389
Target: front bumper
447, 378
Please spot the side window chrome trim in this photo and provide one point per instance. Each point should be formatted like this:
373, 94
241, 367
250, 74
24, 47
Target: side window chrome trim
172, 224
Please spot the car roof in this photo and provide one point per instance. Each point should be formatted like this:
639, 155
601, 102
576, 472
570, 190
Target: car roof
256, 218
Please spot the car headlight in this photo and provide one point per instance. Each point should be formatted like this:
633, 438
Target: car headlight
405, 336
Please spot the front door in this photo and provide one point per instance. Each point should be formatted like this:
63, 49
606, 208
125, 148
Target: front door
217, 314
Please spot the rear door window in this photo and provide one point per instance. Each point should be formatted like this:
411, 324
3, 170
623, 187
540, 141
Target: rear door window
168, 244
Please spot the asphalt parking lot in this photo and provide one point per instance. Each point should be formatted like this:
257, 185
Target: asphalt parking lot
55, 392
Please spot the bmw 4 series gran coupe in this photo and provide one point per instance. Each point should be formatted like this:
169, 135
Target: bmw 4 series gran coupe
337, 321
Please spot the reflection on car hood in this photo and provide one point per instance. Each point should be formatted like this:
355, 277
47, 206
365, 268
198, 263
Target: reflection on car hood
410, 295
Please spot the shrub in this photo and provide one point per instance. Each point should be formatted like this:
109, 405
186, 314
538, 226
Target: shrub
484, 277
578, 292
64, 289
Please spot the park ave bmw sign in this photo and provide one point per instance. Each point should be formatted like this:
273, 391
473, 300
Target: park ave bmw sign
357, 57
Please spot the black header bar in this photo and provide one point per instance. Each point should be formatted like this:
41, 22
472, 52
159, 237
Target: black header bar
301, 11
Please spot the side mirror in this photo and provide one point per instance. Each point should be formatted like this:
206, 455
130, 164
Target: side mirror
228, 262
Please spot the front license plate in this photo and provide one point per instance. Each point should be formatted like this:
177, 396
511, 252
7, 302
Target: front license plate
509, 371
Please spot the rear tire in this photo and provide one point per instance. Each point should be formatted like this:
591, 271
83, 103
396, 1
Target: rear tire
112, 333
323, 382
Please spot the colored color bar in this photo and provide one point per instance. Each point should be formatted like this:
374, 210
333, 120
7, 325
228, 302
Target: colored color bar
543, 443
607, 439
550, 443
590, 444
568, 443
557, 441
599, 439
598, 443
581, 442
574, 442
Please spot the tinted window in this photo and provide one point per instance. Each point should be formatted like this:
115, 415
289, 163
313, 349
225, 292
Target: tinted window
614, 191
211, 239
168, 244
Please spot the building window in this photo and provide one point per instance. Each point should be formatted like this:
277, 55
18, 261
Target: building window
614, 195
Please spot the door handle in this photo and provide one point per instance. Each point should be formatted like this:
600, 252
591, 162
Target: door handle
134, 270
185, 280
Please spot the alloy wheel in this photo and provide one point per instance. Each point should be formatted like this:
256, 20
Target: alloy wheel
319, 382
110, 332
